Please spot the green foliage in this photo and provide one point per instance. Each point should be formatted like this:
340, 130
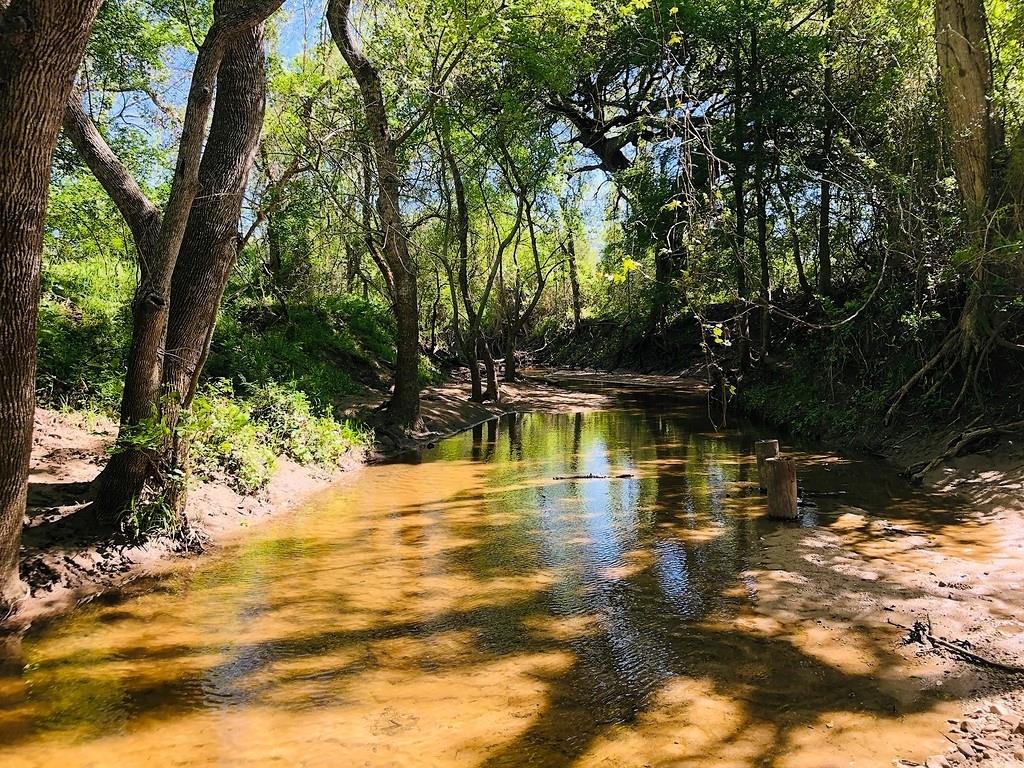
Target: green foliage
317, 348
148, 518
294, 430
239, 439
83, 331
227, 443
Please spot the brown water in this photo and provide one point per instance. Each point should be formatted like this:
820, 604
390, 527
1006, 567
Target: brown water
466, 608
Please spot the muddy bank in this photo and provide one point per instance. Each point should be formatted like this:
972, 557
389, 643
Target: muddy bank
64, 562
835, 596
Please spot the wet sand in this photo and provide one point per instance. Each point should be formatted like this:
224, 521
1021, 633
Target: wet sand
482, 613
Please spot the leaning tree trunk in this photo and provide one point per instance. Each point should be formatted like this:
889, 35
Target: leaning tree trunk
211, 239
42, 43
134, 465
404, 408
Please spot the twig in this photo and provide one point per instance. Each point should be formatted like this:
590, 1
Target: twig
593, 477
957, 445
922, 631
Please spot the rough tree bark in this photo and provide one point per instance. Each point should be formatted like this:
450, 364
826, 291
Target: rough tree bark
825, 189
42, 43
159, 239
982, 163
211, 240
404, 408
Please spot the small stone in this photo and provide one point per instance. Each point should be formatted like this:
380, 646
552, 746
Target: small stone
1019, 755
986, 743
1019, 728
936, 761
1011, 722
965, 725
966, 749
999, 709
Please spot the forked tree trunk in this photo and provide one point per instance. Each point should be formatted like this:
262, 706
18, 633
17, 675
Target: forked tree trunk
492, 393
42, 43
211, 239
159, 241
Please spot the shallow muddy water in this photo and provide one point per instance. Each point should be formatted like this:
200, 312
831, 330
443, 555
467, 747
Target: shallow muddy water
470, 608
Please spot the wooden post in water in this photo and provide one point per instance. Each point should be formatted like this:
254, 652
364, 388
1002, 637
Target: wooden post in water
780, 475
764, 449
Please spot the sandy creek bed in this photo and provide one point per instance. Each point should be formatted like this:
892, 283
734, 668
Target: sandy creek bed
466, 608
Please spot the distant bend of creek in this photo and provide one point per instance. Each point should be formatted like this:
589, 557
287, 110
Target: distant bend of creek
482, 604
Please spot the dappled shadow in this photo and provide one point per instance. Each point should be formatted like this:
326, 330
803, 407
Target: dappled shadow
47, 495
640, 619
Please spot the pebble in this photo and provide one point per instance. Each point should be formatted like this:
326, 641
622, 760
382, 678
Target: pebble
936, 761
1000, 709
966, 749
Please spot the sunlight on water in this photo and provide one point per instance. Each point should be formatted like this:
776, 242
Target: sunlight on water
467, 608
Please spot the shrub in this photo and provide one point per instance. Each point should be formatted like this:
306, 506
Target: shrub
296, 431
226, 442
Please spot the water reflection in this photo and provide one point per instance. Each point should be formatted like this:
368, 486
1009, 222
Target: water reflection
467, 608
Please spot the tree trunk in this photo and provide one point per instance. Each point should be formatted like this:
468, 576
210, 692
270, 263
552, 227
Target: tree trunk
761, 199
476, 391
132, 466
965, 70
739, 204
42, 43
404, 408
511, 370
574, 283
493, 391
794, 232
825, 191
211, 240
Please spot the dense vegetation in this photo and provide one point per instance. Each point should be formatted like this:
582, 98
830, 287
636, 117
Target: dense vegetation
254, 217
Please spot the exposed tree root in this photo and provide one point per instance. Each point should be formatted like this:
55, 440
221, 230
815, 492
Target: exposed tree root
961, 442
921, 633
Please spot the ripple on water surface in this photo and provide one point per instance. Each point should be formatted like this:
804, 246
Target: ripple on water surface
468, 608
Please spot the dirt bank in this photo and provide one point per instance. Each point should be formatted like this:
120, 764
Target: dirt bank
848, 590
842, 592
64, 562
